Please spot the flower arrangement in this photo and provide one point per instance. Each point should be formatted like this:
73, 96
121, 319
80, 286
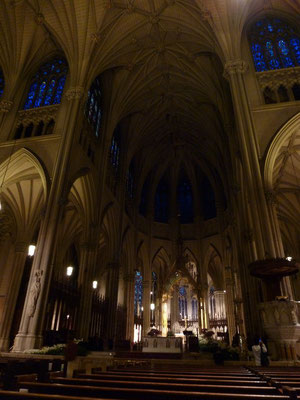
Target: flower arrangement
59, 349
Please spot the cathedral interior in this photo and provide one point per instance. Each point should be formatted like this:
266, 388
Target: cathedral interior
149, 170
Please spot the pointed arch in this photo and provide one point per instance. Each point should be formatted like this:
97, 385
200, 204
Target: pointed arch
24, 188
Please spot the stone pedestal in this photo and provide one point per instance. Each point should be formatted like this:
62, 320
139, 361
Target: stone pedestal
281, 322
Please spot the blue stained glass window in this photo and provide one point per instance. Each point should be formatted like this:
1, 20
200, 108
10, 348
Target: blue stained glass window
185, 201
59, 90
31, 95
1, 83
162, 202
274, 45
93, 109
48, 85
115, 149
138, 294
40, 96
49, 93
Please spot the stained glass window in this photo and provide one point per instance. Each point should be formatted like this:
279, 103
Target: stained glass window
208, 200
182, 302
194, 309
162, 201
185, 201
47, 85
1, 82
138, 294
274, 45
154, 285
115, 150
93, 109
130, 181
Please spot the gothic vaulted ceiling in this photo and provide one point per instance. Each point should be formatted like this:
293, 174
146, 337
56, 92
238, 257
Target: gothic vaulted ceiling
164, 60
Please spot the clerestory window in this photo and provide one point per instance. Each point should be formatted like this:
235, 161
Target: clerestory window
1, 82
47, 85
274, 44
93, 109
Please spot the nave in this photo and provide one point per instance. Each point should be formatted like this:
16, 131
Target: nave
162, 382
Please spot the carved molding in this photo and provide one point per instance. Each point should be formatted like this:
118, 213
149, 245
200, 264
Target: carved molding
273, 79
5, 106
74, 93
35, 115
233, 67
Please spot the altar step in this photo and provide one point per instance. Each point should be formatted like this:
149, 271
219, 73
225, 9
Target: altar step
143, 355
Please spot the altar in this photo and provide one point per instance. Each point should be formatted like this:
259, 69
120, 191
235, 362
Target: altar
160, 344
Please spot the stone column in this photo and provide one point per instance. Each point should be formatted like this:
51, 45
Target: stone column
164, 316
112, 286
229, 299
129, 281
146, 306
17, 267
87, 275
258, 213
272, 205
5, 107
174, 307
32, 321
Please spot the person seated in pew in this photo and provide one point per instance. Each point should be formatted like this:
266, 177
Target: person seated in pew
259, 351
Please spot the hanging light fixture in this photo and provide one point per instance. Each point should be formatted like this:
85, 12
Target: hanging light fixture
95, 284
31, 250
70, 270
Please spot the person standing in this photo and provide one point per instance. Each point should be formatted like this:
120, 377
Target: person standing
260, 353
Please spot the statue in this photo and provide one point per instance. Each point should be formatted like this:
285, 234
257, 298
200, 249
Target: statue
34, 292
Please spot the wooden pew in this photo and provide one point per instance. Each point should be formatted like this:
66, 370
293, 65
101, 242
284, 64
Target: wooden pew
186, 380
170, 386
190, 375
10, 395
146, 394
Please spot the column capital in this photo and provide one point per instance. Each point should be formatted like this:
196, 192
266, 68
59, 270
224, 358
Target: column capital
74, 93
233, 67
5, 106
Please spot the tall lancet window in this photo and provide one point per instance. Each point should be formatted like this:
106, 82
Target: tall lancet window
182, 300
185, 201
47, 85
274, 44
1, 82
115, 150
162, 202
93, 109
138, 294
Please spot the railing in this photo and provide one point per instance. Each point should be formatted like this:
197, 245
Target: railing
280, 85
36, 122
